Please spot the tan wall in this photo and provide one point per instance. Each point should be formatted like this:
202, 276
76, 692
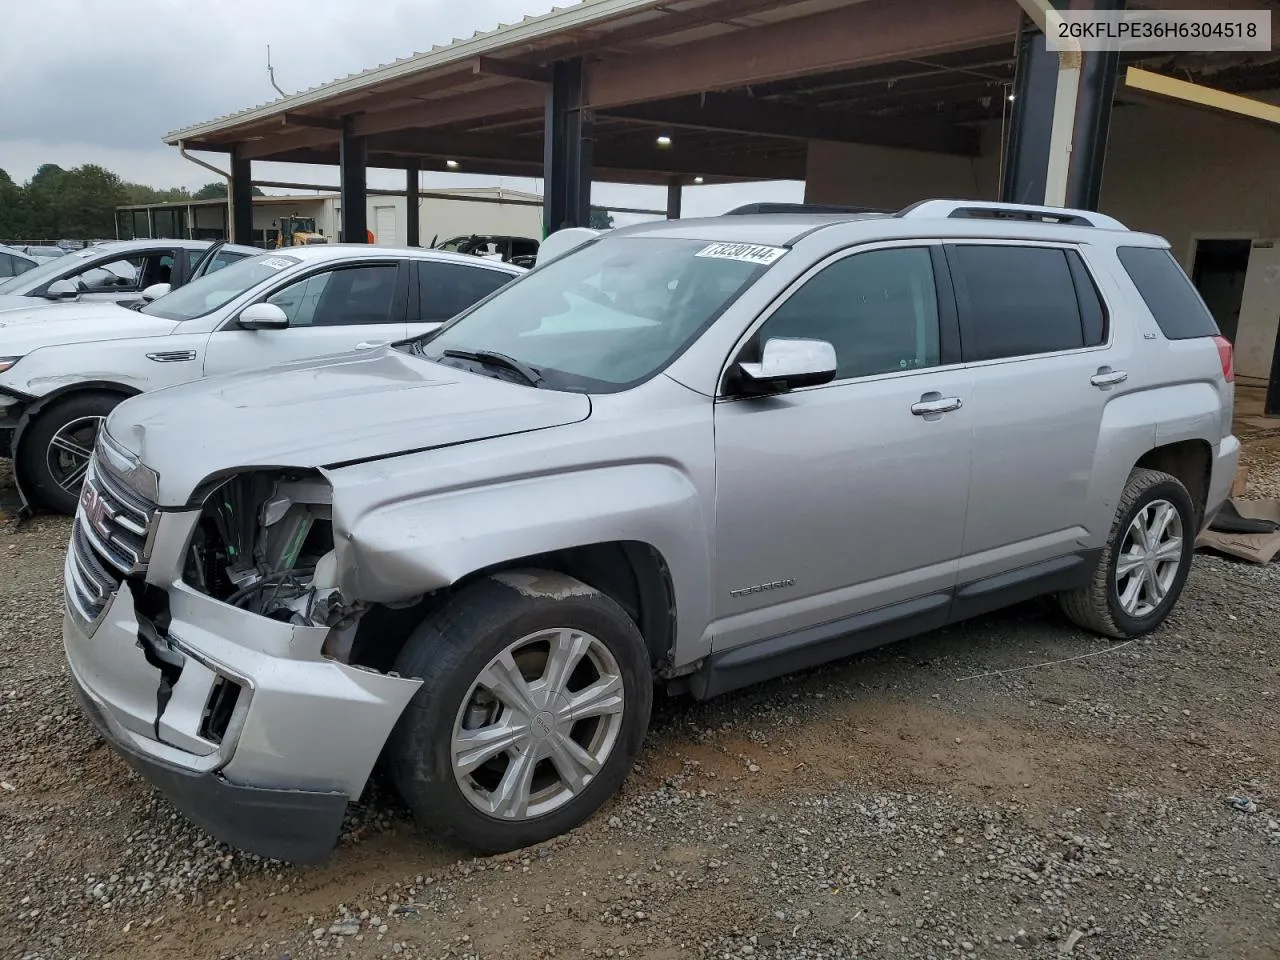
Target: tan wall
852, 173
1171, 170
1184, 173
449, 218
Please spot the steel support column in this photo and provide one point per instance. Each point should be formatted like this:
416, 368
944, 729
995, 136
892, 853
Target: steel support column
413, 218
352, 155
1093, 117
674, 191
241, 199
1271, 405
568, 151
1026, 155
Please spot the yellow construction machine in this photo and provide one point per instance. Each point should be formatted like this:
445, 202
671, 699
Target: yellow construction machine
299, 232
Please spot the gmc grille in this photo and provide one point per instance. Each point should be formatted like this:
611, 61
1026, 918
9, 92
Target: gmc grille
108, 542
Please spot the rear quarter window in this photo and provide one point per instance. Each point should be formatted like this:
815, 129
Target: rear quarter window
1168, 293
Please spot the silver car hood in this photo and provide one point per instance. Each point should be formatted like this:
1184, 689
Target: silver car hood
322, 413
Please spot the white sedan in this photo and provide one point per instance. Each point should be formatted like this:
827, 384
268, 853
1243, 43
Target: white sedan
63, 368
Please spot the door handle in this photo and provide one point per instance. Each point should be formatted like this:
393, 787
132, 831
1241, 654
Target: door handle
932, 403
1106, 377
371, 344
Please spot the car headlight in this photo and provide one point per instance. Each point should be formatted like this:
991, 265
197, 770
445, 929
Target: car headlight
7, 362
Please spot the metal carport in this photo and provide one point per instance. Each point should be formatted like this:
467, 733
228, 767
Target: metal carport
681, 91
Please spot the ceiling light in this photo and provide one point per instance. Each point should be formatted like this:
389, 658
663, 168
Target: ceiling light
451, 164
697, 180
664, 141
1011, 98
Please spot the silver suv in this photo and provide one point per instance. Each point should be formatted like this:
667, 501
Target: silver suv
689, 455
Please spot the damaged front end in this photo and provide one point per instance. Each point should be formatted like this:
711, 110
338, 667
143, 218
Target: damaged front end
264, 543
207, 646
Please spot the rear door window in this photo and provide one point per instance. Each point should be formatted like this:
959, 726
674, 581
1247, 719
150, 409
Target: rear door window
1168, 293
1018, 301
341, 297
446, 289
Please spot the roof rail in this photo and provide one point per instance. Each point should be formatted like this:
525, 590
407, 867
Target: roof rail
984, 210
768, 207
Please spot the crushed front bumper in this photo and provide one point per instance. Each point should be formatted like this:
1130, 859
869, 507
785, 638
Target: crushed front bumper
298, 736
294, 825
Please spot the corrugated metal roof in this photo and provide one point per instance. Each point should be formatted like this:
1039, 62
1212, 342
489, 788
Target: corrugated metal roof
585, 14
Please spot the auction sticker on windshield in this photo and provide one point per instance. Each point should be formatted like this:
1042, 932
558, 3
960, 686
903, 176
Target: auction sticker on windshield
746, 252
278, 263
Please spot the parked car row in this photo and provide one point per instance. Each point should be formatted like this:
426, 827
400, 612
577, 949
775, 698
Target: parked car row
64, 368
14, 261
118, 270
475, 549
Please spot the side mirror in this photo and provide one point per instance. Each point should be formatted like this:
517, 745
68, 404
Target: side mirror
62, 290
263, 316
155, 291
787, 364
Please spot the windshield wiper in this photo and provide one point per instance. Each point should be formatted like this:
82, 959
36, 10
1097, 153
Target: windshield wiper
495, 359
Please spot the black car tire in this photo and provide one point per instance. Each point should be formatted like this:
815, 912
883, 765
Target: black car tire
451, 650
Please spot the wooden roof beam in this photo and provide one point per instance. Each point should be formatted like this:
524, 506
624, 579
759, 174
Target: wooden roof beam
737, 113
858, 35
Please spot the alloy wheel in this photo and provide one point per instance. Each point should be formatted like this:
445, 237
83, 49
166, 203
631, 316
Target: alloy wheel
1149, 559
538, 724
69, 452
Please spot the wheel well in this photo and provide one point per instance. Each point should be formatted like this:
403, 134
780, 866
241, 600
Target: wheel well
1191, 462
35, 409
91, 386
632, 574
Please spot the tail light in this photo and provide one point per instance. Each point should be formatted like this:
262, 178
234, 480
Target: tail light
1227, 355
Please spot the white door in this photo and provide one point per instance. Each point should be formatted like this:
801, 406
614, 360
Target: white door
1259, 312
384, 226
334, 310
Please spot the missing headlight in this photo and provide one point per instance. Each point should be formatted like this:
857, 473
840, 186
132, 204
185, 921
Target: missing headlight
258, 542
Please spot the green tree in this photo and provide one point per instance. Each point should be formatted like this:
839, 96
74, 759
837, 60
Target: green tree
218, 190
12, 209
211, 191
601, 219
141, 193
87, 203
42, 197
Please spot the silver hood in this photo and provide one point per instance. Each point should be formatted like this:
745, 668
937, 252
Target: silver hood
321, 413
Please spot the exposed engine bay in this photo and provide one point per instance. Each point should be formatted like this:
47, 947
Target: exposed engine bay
264, 543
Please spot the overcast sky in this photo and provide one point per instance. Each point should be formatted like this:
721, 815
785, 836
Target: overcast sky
100, 81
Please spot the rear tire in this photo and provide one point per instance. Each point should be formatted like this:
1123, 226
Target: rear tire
56, 447
1145, 563
534, 703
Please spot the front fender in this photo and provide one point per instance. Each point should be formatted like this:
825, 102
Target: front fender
397, 550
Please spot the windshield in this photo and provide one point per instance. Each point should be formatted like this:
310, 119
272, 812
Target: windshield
55, 267
607, 316
213, 290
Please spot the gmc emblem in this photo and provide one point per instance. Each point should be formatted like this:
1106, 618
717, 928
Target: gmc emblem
95, 511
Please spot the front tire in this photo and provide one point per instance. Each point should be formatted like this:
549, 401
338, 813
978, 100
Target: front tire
1145, 563
534, 703
56, 448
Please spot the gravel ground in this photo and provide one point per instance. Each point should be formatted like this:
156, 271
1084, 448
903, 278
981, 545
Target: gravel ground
950, 796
